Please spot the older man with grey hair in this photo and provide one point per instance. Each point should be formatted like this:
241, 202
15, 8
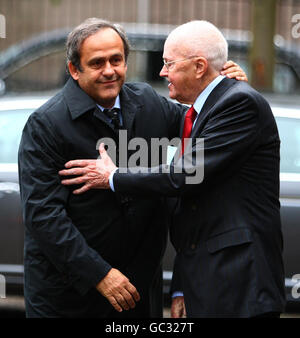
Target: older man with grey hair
226, 229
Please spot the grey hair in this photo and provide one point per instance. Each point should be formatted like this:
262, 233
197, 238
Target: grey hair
87, 28
202, 38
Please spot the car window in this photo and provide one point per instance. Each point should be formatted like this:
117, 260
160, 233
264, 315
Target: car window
11, 127
289, 132
13, 121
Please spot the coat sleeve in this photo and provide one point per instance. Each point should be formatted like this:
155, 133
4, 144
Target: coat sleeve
44, 200
227, 139
176, 284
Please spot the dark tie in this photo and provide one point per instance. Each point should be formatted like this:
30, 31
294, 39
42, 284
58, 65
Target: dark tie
188, 125
114, 115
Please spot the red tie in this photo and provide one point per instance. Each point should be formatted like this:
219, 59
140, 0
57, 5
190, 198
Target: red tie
188, 125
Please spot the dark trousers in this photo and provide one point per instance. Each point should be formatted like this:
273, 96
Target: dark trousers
268, 315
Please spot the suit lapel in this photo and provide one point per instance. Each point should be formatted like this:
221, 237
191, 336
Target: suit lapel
213, 97
130, 106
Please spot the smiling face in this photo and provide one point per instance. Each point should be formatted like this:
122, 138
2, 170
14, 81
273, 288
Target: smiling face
103, 66
182, 75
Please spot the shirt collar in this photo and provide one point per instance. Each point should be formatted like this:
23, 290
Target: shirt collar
199, 103
116, 105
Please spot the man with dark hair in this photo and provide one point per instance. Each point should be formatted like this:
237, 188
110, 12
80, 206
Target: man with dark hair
99, 253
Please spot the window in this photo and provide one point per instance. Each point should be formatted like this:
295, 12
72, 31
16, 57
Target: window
289, 131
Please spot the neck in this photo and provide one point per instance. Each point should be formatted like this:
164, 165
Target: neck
207, 80
204, 82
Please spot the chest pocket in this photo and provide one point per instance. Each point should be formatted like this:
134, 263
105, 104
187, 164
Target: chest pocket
228, 239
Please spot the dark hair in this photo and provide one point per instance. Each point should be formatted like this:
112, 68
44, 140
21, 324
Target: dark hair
84, 30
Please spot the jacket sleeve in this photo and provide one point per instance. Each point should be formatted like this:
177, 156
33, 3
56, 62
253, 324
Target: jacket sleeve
229, 135
44, 200
176, 284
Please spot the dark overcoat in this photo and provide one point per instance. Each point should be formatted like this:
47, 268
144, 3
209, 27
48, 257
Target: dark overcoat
72, 241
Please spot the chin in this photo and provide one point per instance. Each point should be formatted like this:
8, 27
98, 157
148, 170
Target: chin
177, 98
185, 101
110, 96
172, 95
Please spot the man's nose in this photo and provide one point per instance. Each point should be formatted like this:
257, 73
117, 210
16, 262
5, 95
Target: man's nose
108, 69
164, 71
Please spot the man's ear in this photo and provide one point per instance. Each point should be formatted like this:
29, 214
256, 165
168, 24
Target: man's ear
73, 71
201, 66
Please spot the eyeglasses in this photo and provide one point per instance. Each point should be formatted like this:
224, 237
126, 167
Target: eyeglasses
168, 64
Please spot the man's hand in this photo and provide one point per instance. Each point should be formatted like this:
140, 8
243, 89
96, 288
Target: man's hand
178, 307
94, 174
118, 290
233, 70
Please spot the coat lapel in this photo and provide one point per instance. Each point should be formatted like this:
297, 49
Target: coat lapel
79, 102
130, 106
213, 97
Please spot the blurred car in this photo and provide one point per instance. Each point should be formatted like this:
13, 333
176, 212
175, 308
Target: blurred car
39, 63
13, 116
14, 112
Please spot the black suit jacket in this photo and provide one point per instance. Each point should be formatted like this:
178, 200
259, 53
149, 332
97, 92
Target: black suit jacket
227, 229
71, 241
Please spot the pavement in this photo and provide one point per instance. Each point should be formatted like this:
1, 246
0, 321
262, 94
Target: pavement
14, 307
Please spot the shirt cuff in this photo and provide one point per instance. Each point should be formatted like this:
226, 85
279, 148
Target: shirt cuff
177, 294
111, 180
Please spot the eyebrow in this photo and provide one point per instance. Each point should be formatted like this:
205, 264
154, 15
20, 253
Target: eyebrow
94, 59
102, 58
